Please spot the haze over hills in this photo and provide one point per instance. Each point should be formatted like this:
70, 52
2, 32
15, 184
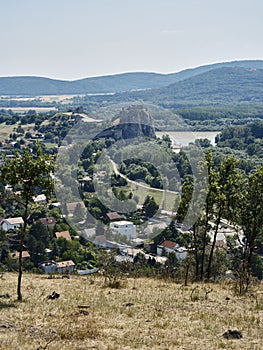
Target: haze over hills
34, 86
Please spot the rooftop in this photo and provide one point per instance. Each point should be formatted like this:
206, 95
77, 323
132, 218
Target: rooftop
64, 234
15, 221
113, 215
168, 244
65, 263
48, 221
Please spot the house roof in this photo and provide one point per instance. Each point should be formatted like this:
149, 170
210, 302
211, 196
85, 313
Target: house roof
64, 234
15, 221
72, 206
168, 244
48, 221
48, 263
40, 198
122, 223
65, 263
113, 215
25, 254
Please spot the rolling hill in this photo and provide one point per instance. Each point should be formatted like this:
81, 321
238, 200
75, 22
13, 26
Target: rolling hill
34, 86
225, 85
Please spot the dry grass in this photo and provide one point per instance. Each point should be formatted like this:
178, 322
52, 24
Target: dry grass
6, 130
143, 314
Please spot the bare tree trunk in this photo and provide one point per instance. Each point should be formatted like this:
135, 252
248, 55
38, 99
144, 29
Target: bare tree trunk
208, 271
186, 274
21, 245
205, 227
196, 251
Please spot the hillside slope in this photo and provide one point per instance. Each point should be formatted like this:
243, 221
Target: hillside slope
33, 86
218, 86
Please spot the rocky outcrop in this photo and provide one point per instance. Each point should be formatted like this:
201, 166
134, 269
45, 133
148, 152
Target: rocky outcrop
135, 121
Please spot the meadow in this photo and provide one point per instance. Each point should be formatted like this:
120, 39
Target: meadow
141, 314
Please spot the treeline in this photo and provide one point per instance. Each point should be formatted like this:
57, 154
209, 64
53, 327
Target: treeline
248, 138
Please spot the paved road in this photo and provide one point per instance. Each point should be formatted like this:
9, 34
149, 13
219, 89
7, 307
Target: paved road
115, 169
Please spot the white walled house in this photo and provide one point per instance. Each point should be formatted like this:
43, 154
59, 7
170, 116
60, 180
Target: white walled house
58, 267
125, 228
48, 266
12, 223
171, 247
41, 198
167, 247
65, 266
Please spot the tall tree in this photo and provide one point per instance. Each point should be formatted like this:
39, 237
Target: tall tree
226, 186
27, 172
150, 207
250, 219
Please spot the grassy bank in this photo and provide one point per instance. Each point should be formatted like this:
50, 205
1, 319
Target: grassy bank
143, 314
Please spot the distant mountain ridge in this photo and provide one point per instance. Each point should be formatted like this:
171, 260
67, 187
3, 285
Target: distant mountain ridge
35, 86
223, 85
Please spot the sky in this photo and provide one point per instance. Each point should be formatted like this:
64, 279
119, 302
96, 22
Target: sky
74, 39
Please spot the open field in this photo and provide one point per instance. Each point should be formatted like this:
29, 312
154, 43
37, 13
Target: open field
37, 109
6, 130
143, 314
166, 200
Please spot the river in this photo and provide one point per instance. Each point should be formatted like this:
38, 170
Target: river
183, 138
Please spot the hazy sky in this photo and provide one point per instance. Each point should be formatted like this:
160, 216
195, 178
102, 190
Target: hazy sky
71, 39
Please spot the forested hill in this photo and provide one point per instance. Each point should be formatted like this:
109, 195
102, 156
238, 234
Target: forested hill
220, 86
112, 83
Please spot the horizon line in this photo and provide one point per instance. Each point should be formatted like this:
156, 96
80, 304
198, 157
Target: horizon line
129, 72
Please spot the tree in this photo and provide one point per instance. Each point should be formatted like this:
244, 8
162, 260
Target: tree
27, 172
79, 213
226, 181
150, 207
37, 240
250, 219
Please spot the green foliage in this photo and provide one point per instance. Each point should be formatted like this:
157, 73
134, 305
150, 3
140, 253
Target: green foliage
150, 207
29, 173
248, 138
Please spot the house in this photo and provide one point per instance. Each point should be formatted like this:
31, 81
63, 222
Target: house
181, 253
25, 255
41, 198
64, 234
60, 267
113, 215
172, 247
115, 245
71, 207
123, 227
12, 223
166, 246
133, 252
48, 266
65, 266
49, 222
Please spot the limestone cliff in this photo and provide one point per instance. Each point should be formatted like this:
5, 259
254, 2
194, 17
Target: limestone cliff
135, 121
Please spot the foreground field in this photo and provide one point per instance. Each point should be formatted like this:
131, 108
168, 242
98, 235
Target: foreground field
143, 314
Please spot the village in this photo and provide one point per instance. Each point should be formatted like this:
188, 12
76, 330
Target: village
123, 230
